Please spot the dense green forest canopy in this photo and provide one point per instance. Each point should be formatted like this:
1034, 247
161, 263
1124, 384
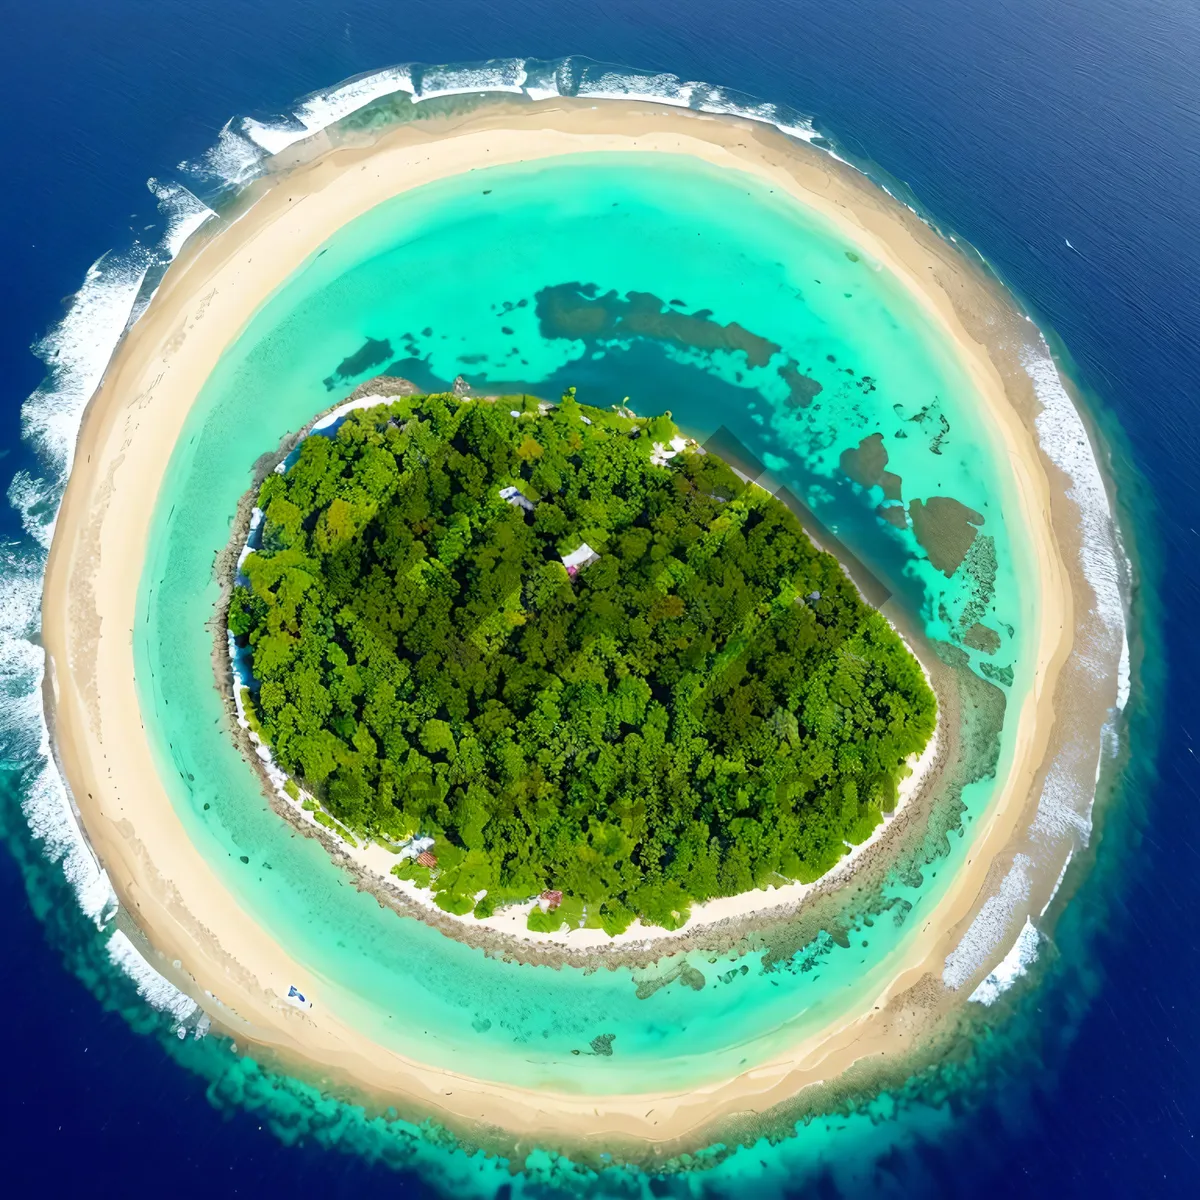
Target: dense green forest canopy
706, 707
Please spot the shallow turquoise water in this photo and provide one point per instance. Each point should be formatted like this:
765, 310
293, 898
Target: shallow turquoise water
456, 259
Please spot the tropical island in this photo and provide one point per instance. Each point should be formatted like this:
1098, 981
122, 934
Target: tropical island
558, 651
754, 1010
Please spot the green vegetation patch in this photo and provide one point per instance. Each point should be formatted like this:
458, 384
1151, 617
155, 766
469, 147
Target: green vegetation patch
701, 706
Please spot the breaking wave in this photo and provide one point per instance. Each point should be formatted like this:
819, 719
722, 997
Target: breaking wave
1068, 795
1065, 440
25, 738
245, 143
151, 986
985, 932
184, 211
1015, 963
77, 351
114, 293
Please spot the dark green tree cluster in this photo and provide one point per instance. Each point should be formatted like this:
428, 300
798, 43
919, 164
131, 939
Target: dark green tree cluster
707, 708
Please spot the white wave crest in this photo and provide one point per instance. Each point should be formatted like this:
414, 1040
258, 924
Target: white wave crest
234, 159
21, 658
986, 931
500, 75
76, 353
47, 810
245, 143
621, 85
1124, 675
1065, 805
702, 97
25, 738
158, 992
1063, 437
36, 499
183, 210
1057, 884
767, 114
322, 109
1011, 967
542, 79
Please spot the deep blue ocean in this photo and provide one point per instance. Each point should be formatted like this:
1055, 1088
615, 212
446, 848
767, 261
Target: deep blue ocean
1019, 125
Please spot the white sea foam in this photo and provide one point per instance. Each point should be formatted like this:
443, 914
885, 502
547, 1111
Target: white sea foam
1124, 676
51, 818
717, 101
619, 85
1063, 437
1123, 672
245, 143
25, 739
702, 97
76, 353
158, 992
537, 91
989, 926
1065, 805
1011, 967
36, 499
21, 658
500, 75
184, 211
232, 160
321, 109
1057, 884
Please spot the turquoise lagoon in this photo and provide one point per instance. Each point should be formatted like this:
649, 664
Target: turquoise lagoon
445, 280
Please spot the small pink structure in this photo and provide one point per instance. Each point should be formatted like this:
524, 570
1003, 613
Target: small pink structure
425, 859
550, 900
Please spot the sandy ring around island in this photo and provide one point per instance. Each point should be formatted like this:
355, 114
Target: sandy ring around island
95, 565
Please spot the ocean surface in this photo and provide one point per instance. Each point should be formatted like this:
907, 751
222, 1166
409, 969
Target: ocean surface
1020, 131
